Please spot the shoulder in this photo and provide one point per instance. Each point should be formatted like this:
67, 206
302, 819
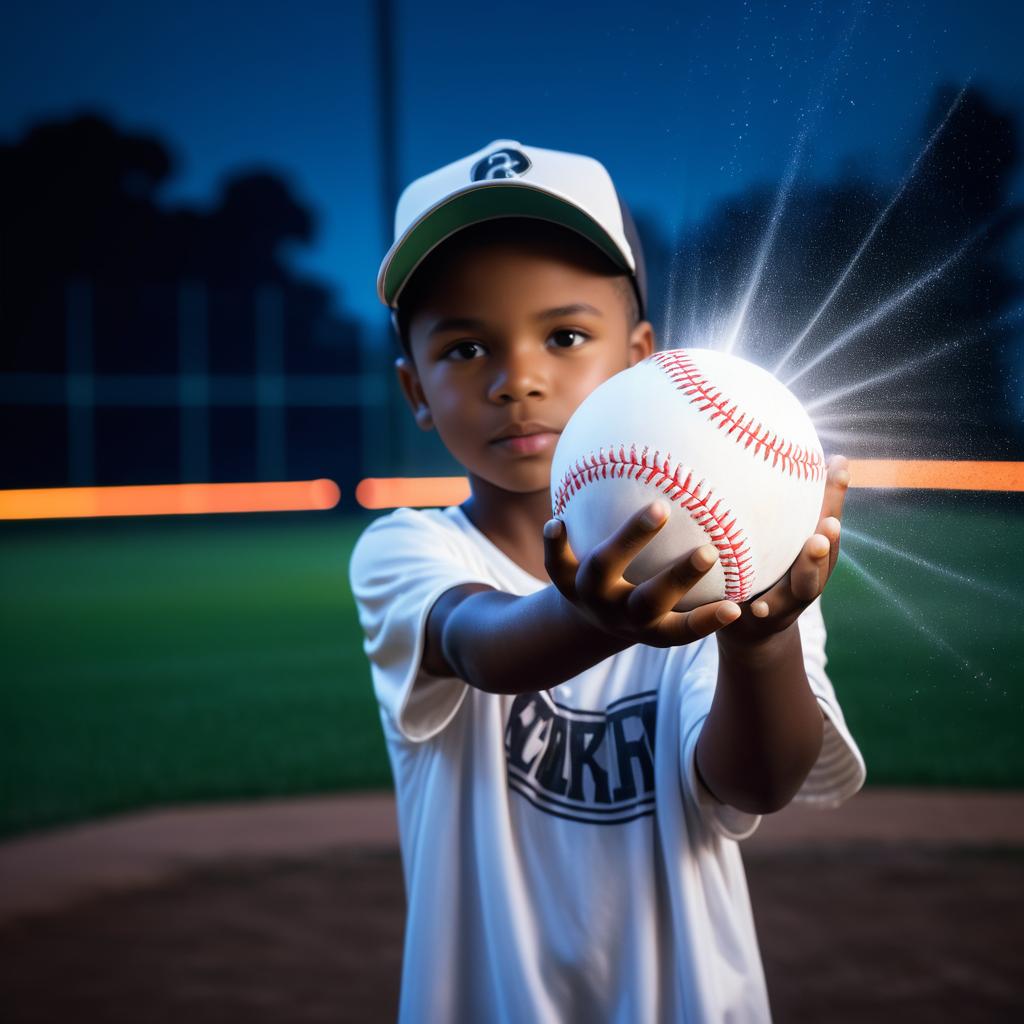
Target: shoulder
404, 535
412, 518
415, 524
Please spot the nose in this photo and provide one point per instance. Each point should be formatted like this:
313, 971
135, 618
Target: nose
520, 374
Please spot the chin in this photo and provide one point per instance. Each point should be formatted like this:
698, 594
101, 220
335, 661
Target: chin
520, 483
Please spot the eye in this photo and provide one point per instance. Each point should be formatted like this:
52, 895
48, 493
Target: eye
569, 338
463, 351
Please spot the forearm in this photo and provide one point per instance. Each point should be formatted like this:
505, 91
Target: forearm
764, 731
506, 644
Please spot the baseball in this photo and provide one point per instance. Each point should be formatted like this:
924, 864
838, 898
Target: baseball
726, 446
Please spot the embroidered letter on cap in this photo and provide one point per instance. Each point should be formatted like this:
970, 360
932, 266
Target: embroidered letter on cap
502, 163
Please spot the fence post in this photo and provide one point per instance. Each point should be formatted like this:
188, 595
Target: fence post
271, 425
80, 393
193, 383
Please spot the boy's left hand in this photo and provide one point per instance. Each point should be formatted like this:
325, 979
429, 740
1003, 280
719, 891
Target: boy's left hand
779, 607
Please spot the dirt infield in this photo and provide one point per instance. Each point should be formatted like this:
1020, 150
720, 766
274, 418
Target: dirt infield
900, 906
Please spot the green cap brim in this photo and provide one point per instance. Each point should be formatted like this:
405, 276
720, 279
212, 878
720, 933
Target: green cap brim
488, 202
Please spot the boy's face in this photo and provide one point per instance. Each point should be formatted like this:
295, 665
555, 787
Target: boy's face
504, 349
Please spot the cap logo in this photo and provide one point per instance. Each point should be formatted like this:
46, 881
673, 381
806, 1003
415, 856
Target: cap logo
502, 163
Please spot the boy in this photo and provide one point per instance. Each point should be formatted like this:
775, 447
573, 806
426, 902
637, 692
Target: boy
573, 761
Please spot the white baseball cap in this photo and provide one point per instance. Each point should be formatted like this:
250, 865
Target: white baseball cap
508, 179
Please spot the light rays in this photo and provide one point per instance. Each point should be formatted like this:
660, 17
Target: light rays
933, 567
735, 327
894, 599
885, 308
767, 241
894, 371
841, 280
843, 439
841, 418
840, 54
674, 273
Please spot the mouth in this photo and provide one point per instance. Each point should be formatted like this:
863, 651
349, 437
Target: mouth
526, 438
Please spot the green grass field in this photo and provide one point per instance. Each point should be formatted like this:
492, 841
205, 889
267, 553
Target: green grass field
163, 661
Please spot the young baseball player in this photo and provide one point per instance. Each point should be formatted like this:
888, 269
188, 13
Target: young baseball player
574, 761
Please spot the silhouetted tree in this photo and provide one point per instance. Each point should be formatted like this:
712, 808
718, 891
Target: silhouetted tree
80, 200
80, 205
955, 209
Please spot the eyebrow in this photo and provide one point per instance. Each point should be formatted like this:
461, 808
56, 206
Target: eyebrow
463, 323
576, 307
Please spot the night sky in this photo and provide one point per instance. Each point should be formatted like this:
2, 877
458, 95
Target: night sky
684, 103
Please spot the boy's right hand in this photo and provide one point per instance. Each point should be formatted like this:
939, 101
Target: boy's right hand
643, 613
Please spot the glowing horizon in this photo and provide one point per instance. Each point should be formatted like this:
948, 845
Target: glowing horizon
379, 493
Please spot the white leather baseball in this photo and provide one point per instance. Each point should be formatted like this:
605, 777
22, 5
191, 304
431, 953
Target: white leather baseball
726, 446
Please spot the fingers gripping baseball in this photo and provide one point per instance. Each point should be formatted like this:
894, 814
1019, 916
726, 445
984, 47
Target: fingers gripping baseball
655, 598
600, 575
808, 575
706, 619
652, 603
644, 613
837, 484
559, 561
810, 570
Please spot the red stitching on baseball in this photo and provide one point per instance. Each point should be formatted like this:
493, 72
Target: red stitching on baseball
792, 458
704, 508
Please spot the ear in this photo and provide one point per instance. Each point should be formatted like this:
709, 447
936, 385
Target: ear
641, 342
409, 382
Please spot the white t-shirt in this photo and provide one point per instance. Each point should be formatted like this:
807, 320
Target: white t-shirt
562, 860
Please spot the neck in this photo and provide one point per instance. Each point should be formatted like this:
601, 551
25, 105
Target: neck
512, 522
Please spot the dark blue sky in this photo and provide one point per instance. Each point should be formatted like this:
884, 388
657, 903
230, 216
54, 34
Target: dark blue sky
685, 103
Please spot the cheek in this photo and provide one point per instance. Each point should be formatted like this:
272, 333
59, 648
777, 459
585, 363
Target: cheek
591, 377
454, 418
441, 395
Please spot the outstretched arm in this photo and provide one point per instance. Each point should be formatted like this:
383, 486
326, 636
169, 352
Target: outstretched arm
507, 644
764, 731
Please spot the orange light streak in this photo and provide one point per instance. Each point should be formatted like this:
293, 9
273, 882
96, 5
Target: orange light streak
411, 492
422, 492
937, 474
168, 499
930, 474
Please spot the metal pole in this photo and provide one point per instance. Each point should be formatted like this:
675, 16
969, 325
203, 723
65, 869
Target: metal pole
271, 425
80, 394
378, 430
387, 104
193, 383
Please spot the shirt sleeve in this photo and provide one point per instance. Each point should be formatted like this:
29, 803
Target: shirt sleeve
837, 774
839, 771
401, 564
700, 677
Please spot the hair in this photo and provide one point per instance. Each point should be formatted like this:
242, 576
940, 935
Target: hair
509, 230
